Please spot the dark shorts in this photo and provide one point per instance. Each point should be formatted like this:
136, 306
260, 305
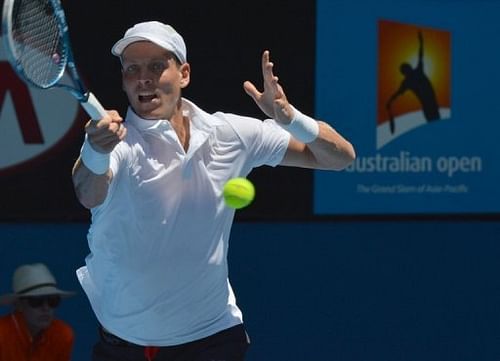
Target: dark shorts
227, 345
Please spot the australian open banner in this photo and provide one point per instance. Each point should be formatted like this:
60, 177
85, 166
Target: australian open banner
413, 87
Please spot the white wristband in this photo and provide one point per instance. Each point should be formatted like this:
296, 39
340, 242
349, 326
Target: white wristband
302, 127
96, 162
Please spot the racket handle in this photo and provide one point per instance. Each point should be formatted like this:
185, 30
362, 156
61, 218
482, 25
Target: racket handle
93, 107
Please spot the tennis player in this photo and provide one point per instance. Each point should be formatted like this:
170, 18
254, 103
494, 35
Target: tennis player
157, 274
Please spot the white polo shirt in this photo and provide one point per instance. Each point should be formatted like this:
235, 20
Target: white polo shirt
157, 272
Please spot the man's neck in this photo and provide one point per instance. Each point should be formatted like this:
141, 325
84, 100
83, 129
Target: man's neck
182, 128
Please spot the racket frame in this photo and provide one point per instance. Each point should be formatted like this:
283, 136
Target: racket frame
88, 101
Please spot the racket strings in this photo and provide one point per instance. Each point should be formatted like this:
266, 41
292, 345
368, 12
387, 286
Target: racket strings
38, 45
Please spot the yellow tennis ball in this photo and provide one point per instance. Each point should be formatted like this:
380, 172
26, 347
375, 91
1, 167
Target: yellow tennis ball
238, 192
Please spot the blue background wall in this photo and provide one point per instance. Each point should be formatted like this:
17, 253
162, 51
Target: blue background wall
361, 290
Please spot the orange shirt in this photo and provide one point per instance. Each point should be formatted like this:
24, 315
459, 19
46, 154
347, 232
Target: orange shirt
16, 343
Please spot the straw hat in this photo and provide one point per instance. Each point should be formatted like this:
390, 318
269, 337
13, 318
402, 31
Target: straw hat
32, 280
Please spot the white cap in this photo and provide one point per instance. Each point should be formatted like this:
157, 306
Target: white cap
161, 34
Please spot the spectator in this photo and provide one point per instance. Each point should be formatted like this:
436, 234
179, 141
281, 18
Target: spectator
30, 331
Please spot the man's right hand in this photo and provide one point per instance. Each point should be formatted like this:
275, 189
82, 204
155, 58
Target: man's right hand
106, 133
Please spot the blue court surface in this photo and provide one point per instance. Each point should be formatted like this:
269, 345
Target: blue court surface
367, 290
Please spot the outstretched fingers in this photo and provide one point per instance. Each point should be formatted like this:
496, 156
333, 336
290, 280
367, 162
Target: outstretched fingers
251, 90
270, 79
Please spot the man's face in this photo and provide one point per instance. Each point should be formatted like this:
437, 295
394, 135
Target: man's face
38, 311
152, 80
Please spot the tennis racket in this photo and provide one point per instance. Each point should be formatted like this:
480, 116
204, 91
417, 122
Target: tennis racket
37, 44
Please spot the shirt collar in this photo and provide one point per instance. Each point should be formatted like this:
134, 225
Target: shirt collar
199, 119
144, 125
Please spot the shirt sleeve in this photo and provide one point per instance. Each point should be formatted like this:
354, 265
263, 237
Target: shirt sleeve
266, 142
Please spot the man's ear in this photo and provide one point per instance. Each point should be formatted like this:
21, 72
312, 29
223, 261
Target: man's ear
185, 70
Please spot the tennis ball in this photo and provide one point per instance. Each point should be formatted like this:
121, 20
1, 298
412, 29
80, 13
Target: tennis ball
238, 192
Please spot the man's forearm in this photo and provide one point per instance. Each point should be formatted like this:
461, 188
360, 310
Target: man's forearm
91, 189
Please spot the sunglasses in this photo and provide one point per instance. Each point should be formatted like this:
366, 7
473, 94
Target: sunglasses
36, 302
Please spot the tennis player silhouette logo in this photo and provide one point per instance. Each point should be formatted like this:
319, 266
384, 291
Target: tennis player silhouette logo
417, 82
411, 95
